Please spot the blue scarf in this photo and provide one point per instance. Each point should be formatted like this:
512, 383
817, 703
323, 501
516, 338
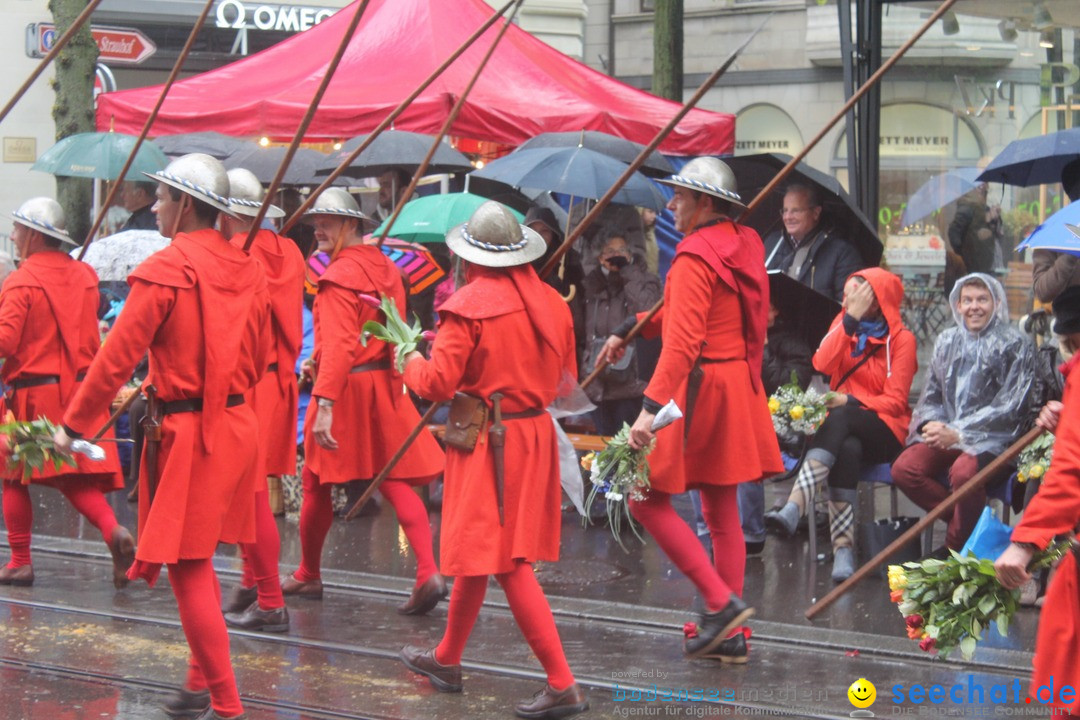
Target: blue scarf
868, 329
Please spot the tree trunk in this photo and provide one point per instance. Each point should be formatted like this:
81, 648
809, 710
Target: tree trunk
668, 50
74, 109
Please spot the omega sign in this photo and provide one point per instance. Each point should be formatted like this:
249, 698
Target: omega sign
289, 18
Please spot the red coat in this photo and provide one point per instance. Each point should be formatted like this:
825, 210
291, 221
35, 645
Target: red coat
1055, 510
372, 415
712, 315
275, 397
48, 326
882, 383
487, 343
201, 308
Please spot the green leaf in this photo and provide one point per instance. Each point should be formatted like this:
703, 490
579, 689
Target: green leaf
967, 647
987, 604
1003, 624
976, 629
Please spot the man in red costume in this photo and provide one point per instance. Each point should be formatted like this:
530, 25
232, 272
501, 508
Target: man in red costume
713, 326
48, 336
257, 604
361, 414
1055, 510
201, 308
504, 332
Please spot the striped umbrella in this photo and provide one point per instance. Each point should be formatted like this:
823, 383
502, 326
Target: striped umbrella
415, 263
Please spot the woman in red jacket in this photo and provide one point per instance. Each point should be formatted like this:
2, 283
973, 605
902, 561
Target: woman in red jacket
870, 357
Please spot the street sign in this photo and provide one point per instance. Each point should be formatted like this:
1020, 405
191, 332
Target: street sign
120, 46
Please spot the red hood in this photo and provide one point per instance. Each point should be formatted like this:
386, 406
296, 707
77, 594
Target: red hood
889, 291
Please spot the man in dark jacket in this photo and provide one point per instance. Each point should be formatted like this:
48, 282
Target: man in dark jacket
807, 250
974, 232
137, 198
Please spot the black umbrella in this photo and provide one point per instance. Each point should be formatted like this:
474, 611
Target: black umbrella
1034, 161
264, 162
211, 143
803, 310
754, 172
395, 149
610, 145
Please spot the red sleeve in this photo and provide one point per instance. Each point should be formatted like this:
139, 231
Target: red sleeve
438, 378
832, 349
689, 297
893, 399
652, 329
14, 306
145, 310
339, 332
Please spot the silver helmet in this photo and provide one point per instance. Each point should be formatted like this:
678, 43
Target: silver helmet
337, 201
494, 238
708, 175
201, 176
246, 195
44, 215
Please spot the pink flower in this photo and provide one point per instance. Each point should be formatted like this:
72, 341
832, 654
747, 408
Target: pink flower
914, 621
690, 630
927, 644
428, 335
371, 301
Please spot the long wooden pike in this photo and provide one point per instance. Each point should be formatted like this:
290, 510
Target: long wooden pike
389, 119
59, 45
146, 127
124, 407
787, 169
450, 118
646, 152
304, 124
976, 483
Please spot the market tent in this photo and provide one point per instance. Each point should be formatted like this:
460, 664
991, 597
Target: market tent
526, 89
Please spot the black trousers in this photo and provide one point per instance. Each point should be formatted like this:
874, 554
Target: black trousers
856, 437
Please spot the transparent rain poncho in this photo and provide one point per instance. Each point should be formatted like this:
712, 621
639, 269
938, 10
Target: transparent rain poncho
979, 383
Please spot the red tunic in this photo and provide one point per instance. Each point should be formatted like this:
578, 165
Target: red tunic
201, 308
731, 438
275, 397
497, 349
48, 326
372, 414
1055, 510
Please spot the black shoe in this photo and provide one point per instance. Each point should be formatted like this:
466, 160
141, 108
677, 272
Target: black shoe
210, 714
715, 627
240, 599
255, 618
551, 704
444, 678
941, 553
754, 548
187, 704
734, 650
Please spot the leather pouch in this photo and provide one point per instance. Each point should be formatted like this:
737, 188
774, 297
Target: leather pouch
467, 417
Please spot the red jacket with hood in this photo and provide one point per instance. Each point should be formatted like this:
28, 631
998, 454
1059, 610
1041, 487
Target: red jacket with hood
882, 383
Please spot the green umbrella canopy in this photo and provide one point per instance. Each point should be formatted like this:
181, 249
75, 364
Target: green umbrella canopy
428, 219
100, 155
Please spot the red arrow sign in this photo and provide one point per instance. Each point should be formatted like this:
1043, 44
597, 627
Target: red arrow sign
121, 46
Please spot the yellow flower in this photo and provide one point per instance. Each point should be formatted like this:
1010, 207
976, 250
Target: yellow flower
924, 636
587, 461
897, 578
774, 405
1036, 471
1021, 476
796, 412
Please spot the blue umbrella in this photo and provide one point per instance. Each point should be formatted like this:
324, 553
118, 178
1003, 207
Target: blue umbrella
1054, 234
575, 171
939, 191
1034, 161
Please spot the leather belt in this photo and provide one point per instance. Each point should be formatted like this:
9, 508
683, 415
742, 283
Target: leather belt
38, 380
196, 404
271, 368
715, 361
533, 412
369, 366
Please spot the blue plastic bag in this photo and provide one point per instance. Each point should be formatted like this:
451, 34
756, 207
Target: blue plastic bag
989, 538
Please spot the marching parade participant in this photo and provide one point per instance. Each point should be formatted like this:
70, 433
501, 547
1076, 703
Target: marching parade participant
361, 414
713, 326
201, 308
257, 603
505, 343
48, 337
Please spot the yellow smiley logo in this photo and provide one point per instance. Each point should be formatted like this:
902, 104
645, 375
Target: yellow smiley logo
862, 693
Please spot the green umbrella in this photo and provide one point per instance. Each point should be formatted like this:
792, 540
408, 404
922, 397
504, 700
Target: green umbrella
100, 155
428, 219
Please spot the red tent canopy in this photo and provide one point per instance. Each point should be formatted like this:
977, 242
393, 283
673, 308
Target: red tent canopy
527, 88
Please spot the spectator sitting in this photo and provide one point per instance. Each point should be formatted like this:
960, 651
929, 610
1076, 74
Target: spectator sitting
806, 249
618, 288
785, 352
870, 357
1051, 271
973, 406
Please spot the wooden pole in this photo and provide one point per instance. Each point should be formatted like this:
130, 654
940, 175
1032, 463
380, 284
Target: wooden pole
146, 128
634, 332
59, 45
304, 124
974, 484
450, 118
124, 407
389, 119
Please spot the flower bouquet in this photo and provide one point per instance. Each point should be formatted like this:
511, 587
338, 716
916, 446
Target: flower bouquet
619, 474
28, 446
796, 412
949, 603
403, 337
1035, 459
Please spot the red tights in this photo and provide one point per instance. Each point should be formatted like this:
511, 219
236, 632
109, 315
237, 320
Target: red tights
261, 556
19, 514
718, 582
531, 612
317, 514
198, 596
